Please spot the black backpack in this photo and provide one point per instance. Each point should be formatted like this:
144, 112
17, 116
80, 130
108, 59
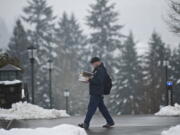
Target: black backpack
107, 84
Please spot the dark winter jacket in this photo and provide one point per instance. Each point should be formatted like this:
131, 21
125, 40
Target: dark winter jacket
96, 84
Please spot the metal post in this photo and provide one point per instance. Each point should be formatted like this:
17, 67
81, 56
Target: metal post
170, 92
32, 54
166, 76
172, 100
32, 79
66, 95
50, 87
67, 108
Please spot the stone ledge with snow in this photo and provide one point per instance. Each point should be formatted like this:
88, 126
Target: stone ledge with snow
28, 111
169, 111
10, 82
172, 131
59, 130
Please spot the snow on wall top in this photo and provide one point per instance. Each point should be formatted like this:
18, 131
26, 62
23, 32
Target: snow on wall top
10, 82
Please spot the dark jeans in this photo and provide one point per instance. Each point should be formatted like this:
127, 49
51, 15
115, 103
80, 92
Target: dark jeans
97, 101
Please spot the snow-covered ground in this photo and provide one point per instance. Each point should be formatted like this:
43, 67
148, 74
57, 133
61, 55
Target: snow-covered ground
59, 130
172, 131
28, 111
169, 111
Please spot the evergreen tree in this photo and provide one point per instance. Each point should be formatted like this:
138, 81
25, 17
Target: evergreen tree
127, 88
39, 16
17, 48
105, 36
69, 33
174, 72
71, 46
6, 59
155, 93
173, 16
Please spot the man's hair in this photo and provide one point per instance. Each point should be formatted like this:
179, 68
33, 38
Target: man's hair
95, 59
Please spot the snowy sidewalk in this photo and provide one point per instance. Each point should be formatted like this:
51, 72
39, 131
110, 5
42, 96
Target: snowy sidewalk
125, 125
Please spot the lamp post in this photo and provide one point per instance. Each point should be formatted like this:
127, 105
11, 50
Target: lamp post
166, 64
169, 86
50, 66
66, 95
32, 54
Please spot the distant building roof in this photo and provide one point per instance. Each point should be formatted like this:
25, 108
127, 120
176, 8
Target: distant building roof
10, 67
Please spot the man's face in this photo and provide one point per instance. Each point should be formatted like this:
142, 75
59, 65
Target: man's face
96, 64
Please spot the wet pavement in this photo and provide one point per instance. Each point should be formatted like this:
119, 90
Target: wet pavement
125, 125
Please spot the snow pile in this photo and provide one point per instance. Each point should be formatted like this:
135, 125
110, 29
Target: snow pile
172, 131
28, 111
59, 130
169, 111
10, 82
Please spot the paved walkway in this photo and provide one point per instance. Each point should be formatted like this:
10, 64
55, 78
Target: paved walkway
125, 125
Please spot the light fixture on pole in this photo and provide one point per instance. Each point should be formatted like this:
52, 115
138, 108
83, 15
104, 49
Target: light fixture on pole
66, 95
32, 52
50, 67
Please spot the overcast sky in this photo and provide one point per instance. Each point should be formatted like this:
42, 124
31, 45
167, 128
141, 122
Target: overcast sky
140, 16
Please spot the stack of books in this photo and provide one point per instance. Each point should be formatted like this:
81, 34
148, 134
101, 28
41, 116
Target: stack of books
84, 76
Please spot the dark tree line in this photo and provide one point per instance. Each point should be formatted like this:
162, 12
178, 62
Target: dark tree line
139, 81
173, 21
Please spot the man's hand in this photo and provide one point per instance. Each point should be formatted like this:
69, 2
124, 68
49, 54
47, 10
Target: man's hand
90, 77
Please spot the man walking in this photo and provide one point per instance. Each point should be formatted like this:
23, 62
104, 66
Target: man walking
97, 86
